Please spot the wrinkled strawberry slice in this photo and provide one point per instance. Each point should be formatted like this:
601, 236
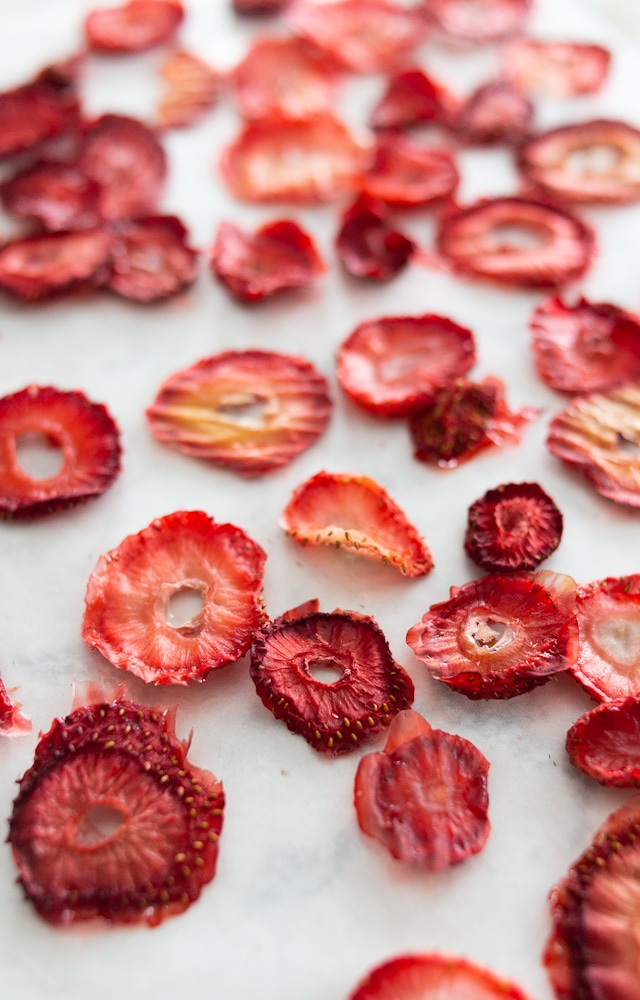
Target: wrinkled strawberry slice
513, 527
368, 246
608, 612
13, 722
412, 98
395, 366
57, 195
190, 89
434, 977
517, 241
133, 27
151, 259
463, 419
604, 744
36, 111
283, 76
558, 69
478, 21
497, 112
599, 436
500, 636
252, 411
134, 595
112, 820
81, 431
424, 797
277, 256
365, 36
277, 159
405, 174
257, 7
37, 267
355, 514
330, 677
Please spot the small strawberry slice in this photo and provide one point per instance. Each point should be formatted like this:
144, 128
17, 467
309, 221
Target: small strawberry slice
500, 636
57, 195
82, 431
405, 174
133, 589
513, 527
557, 69
133, 27
112, 820
190, 89
497, 112
604, 744
424, 797
252, 411
478, 21
434, 977
395, 366
608, 613
151, 259
13, 722
290, 658
355, 514
39, 110
413, 98
37, 267
368, 246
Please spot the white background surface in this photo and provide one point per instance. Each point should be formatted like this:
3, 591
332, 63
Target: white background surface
303, 905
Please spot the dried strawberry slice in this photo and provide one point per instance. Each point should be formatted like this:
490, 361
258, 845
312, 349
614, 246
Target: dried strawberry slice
478, 21
424, 797
36, 111
404, 174
277, 256
433, 977
182, 557
37, 267
354, 513
604, 743
252, 411
191, 89
608, 613
13, 722
112, 820
151, 259
558, 69
395, 366
84, 433
513, 527
368, 246
517, 241
257, 7
500, 636
57, 195
413, 98
133, 27
497, 112
290, 659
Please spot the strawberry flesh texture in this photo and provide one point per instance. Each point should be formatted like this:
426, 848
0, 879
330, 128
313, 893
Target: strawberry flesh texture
604, 743
513, 527
13, 722
283, 76
190, 89
558, 69
151, 259
434, 977
413, 98
49, 264
497, 112
40, 110
608, 613
405, 174
368, 246
133, 27
57, 195
478, 22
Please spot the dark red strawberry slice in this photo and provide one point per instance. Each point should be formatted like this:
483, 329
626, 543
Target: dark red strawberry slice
558, 69
38, 267
434, 977
134, 598
330, 677
277, 256
424, 797
497, 112
151, 259
250, 8
112, 820
478, 21
463, 419
83, 432
190, 89
608, 613
252, 411
604, 744
133, 27
368, 246
517, 241
13, 722
57, 195
395, 366
37, 111
413, 98
354, 514
405, 174
513, 527
500, 636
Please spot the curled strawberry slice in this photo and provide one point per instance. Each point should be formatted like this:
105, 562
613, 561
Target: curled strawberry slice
57, 195
252, 411
424, 797
151, 259
500, 636
412, 98
513, 527
277, 256
608, 612
368, 246
133, 27
135, 594
497, 112
190, 89
432, 977
112, 820
37, 267
517, 241
13, 722
354, 514
330, 677
39, 110
404, 174
395, 366
604, 743
558, 69
478, 21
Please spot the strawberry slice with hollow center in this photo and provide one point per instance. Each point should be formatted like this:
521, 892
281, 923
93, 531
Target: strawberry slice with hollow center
513, 527
151, 259
190, 89
558, 69
112, 820
608, 613
133, 27
604, 744
434, 977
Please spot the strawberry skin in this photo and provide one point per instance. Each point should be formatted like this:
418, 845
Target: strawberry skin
434, 977
604, 744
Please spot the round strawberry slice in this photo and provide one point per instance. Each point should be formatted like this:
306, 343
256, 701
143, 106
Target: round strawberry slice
424, 797
500, 636
187, 558
413, 98
112, 820
151, 259
368, 246
405, 174
252, 411
330, 677
57, 195
355, 514
133, 27
604, 744
513, 527
608, 613
434, 977
497, 112
81, 431
478, 21
190, 89
38, 267
558, 69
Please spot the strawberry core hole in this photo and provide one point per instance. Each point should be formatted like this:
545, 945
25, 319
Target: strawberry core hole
325, 671
246, 410
510, 236
184, 605
490, 634
593, 160
99, 823
39, 455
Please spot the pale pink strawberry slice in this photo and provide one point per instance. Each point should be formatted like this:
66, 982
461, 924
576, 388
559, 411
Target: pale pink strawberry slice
497, 112
512, 527
112, 820
604, 743
151, 259
434, 977
405, 174
134, 26
130, 595
478, 21
355, 514
608, 613
556, 68
13, 722
190, 89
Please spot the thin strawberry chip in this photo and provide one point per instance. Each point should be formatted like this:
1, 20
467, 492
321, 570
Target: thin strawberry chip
413, 98
257, 7
500, 636
38, 267
434, 977
46, 107
513, 527
354, 514
478, 21
405, 174
557, 69
497, 112
368, 246
608, 612
81, 431
424, 797
191, 89
276, 257
134, 596
151, 259
133, 27
252, 411
57, 195
330, 677
604, 743
112, 820
396, 365
13, 722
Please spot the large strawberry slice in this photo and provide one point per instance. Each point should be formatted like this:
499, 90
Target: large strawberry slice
49, 264
512, 527
608, 612
151, 258
185, 556
134, 26
557, 69
405, 174
57, 195
368, 246
434, 977
190, 89
604, 743
112, 820
13, 722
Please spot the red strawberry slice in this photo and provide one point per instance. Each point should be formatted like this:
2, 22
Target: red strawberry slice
82, 431
151, 259
424, 797
13, 722
413, 98
133, 589
292, 656
133, 27
190, 89
404, 174
478, 21
257, 7
558, 69
368, 246
46, 107
608, 613
513, 527
252, 411
354, 514
112, 820
38, 267
57, 195
497, 112
604, 744
434, 977
500, 636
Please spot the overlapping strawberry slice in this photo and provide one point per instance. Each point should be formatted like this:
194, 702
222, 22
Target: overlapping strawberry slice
190, 89
355, 514
112, 820
558, 69
368, 246
478, 21
608, 613
151, 259
500, 636
434, 977
57, 195
13, 722
497, 112
512, 527
46, 107
182, 557
413, 98
405, 174
134, 26
604, 744
330, 677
